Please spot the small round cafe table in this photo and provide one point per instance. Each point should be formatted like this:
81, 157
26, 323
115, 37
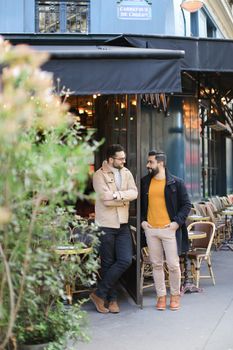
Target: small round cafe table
188, 286
65, 252
228, 244
194, 218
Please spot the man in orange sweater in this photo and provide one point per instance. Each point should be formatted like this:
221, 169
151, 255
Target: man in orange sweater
165, 206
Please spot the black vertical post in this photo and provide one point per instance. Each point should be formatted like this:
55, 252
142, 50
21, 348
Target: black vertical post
138, 181
221, 161
203, 151
184, 21
209, 150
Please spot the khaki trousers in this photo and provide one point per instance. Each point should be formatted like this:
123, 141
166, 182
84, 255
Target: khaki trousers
160, 241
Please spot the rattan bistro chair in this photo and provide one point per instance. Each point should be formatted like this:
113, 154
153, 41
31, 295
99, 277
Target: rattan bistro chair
220, 225
146, 275
201, 250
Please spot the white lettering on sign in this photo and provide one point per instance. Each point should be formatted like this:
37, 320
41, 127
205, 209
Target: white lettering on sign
134, 11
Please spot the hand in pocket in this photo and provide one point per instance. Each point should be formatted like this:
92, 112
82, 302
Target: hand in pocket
173, 225
145, 225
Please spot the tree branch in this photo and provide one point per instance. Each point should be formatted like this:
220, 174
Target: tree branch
12, 301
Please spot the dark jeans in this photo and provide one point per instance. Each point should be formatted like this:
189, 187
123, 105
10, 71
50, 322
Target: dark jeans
116, 257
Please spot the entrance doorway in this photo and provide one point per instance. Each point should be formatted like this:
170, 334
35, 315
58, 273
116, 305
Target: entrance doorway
114, 119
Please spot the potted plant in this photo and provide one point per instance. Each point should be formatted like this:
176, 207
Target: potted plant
43, 317
44, 165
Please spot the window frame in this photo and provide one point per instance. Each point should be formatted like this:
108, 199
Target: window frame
62, 15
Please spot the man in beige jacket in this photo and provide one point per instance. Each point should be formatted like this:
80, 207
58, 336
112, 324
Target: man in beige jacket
115, 188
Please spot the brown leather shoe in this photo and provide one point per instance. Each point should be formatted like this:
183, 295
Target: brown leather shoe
175, 302
161, 303
113, 307
99, 303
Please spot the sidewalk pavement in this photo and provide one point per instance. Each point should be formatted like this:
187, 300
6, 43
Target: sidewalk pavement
204, 322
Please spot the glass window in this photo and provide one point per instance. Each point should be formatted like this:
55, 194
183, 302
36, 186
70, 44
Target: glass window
48, 17
211, 28
194, 24
62, 16
208, 158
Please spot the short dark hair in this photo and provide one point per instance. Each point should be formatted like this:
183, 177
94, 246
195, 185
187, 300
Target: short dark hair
160, 156
112, 149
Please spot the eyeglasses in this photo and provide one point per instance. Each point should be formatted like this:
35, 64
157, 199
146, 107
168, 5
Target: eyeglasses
123, 158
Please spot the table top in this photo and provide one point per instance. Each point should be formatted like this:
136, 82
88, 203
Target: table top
196, 234
227, 212
70, 250
198, 218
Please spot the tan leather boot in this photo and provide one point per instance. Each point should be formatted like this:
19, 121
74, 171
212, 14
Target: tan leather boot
175, 302
161, 303
113, 307
99, 303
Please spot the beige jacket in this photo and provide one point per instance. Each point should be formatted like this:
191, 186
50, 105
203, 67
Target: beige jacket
113, 212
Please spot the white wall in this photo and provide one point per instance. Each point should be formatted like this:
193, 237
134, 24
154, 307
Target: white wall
179, 20
202, 24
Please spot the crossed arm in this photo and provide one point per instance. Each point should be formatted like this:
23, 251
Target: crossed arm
107, 195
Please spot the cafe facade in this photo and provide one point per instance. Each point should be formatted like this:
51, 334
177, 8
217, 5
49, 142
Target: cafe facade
150, 92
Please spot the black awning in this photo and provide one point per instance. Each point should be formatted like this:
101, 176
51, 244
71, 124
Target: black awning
201, 54
115, 70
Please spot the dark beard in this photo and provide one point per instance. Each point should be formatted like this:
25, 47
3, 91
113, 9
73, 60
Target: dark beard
154, 172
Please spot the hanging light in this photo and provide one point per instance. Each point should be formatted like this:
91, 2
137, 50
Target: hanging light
191, 5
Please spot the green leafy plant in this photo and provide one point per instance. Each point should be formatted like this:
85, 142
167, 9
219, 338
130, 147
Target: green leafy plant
59, 325
44, 160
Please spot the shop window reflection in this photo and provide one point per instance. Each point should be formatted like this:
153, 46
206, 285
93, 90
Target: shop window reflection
112, 118
208, 157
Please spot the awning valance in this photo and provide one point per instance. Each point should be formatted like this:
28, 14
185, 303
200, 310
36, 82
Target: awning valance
115, 70
201, 54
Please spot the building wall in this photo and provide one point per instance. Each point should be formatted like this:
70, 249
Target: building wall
12, 16
128, 16
113, 19
180, 140
182, 20
222, 13
105, 17
17, 16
